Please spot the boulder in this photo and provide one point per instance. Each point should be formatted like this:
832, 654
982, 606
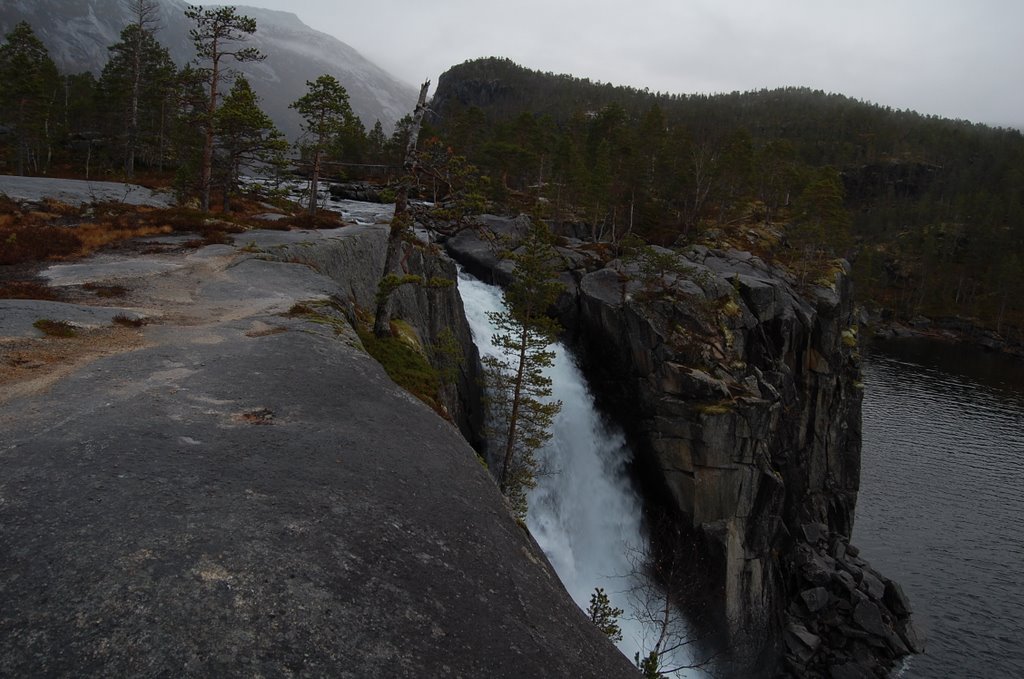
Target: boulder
815, 599
896, 600
871, 584
801, 643
869, 618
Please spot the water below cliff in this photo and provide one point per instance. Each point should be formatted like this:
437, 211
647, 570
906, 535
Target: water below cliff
585, 512
942, 500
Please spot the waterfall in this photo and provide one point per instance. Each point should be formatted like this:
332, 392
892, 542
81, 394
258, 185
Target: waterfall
585, 513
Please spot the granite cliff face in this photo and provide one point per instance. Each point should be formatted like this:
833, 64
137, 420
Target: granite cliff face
741, 392
432, 312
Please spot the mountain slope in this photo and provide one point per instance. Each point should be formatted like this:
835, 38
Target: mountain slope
78, 32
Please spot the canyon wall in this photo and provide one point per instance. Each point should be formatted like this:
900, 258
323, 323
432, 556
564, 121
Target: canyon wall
740, 387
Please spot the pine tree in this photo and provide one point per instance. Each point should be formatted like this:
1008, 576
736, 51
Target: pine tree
605, 616
327, 115
217, 36
822, 224
144, 21
30, 83
80, 118
187, 135
246, 136
375, 142
519, 393
136, 87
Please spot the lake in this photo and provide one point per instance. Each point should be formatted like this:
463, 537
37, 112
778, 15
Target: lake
942, 499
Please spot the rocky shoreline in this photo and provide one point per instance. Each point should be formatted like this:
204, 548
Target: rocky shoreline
847, 621
953, 329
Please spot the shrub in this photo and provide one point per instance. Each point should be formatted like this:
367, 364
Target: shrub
27, 290
128, 321
55, 328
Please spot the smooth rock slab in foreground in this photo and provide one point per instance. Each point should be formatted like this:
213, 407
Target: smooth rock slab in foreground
250, 495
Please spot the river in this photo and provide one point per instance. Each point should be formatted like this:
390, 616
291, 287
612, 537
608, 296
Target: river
942, 500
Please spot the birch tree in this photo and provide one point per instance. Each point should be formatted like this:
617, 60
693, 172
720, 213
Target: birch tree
401, 224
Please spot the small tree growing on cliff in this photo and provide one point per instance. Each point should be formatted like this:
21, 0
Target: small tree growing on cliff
401, 225
520, 394
605, 616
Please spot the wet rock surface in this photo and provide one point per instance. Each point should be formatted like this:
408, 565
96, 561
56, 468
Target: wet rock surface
246, 493
740, 387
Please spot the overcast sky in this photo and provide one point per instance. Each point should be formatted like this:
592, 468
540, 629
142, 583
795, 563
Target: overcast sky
954, 58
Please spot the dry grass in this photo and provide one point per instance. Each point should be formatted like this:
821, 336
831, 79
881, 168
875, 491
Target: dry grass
322, 220
98, 235
52, 230
105, 291
27, 290
50, 328
128, 321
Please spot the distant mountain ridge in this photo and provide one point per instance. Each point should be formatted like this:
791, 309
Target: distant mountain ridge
78, 32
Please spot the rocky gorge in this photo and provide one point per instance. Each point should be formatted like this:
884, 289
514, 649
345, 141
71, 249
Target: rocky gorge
741, 390
235, 486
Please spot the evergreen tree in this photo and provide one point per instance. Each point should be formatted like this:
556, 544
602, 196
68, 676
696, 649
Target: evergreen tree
144, 21
605, 616
217, 36
81, 120
398, 143
375, 142
136, 87
246, 136
187, 135
822, 224
326, 116
30, 84
519, 392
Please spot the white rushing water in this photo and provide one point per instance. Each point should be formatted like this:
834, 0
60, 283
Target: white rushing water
585, 514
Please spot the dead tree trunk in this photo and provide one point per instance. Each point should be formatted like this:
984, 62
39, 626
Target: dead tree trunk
400, 223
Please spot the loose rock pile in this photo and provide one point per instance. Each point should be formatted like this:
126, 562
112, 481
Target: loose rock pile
848, 621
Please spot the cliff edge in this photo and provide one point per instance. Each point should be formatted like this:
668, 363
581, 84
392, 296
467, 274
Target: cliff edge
234, 490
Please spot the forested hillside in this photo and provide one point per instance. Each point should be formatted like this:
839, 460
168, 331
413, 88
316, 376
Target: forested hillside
199, 127
931, 211
77, 34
